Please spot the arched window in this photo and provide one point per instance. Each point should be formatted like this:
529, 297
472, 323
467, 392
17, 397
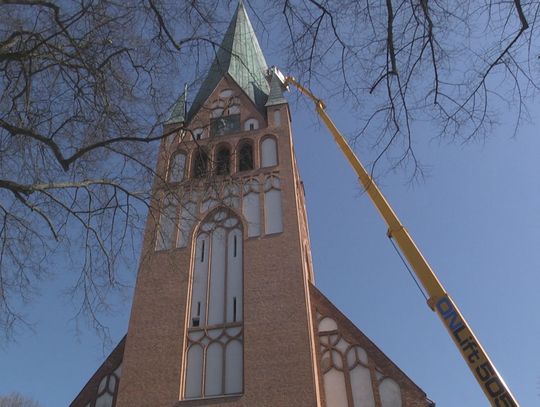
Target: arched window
200, 163
269, 152
198, 133
251, 207
251, 124
223, 161
214, 356
277, 118
177, 167
166, 231
273, 214
346, 370
245, 157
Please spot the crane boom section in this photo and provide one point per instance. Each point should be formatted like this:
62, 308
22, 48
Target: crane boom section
491, 382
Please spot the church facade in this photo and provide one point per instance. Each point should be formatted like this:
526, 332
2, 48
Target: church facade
225, 310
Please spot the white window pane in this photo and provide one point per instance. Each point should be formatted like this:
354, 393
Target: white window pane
334, 389
327, 324
233, 363
277, 118
251, 124
112, 384
216, 301
268, 152
198, 133
105, 400
225, 93
390, 393
194, 372
362, 391
118, 370
200, 279
177, 168
234, 276
102, 384
214, 370
273, 217
251, 212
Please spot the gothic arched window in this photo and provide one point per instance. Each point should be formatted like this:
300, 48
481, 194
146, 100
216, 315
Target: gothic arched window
245, 157
215, 334
223, 161
177, 167
166, 231
269, 156
273, 213
200, 163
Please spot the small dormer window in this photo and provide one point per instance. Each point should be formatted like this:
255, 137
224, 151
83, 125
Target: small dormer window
198, 133
251, 124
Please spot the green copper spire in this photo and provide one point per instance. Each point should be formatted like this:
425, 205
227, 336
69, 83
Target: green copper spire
179, 112
241, 57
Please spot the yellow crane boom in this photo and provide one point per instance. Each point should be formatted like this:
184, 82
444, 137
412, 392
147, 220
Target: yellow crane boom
491, 382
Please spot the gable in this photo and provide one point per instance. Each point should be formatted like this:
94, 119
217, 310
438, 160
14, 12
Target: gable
353, 371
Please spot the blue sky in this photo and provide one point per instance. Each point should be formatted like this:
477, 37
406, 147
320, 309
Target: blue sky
475, 217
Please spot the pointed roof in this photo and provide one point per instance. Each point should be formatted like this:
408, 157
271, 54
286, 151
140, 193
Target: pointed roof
179, 112
241, 57
276, 91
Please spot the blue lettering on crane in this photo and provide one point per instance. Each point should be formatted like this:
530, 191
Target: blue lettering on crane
470, 348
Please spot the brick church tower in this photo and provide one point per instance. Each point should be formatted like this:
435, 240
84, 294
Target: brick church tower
225, 311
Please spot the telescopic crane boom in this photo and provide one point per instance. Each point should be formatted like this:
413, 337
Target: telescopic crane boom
491, 382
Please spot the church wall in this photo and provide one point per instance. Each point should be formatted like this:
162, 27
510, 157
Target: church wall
277, 332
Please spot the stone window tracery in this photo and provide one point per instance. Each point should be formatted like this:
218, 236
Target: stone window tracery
348, 374
258, 198
214, 352
107, 390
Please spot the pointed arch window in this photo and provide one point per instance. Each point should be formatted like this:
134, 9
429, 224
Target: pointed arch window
200, 163
223, 161
166, 231
251, 206
177, 167
269, 157
273, 213
347, 372
245, 157
214, 364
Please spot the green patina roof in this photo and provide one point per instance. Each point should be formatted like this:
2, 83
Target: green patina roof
241, 57
179, 112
